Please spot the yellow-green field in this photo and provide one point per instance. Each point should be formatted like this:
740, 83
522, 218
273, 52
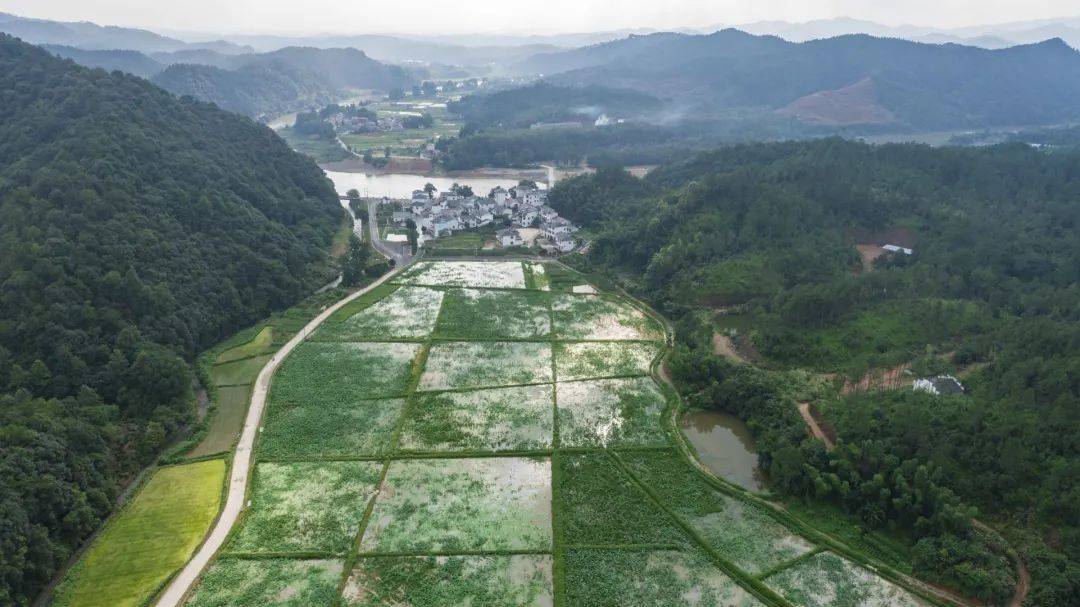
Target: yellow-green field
148, 540
260, 342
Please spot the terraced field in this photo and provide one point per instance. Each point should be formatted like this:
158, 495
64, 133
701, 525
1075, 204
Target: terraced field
478, 434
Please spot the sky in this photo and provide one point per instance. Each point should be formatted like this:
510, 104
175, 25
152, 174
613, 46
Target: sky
518, 16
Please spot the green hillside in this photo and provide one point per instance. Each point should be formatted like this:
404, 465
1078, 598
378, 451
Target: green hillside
136, 229
758, 243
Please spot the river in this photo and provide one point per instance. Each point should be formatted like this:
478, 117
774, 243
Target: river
724, 444
401, 185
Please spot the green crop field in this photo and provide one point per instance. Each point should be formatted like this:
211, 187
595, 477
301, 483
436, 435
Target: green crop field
501, 419
522, 580
479, 313
588, 360
490, 433
232, 403
354, 428
232, 582
306, 506
148, 540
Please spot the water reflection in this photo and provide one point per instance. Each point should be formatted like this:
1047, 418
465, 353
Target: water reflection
724, 444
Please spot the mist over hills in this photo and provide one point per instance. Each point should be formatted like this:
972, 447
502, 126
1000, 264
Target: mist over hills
90, 36
252, 84
905, 84
831, 73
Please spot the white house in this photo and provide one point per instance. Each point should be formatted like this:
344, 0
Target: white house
499, 195
444, 224
547, 213
565, 243
532, 196
509, 238
895, 248
558, 226
526, 215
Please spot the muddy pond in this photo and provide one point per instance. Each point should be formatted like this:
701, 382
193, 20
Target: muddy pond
724, 444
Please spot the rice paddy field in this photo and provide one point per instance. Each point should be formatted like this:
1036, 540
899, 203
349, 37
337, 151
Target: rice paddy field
491, 433
150, 538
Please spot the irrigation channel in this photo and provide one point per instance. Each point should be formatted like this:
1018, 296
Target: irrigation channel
485, 429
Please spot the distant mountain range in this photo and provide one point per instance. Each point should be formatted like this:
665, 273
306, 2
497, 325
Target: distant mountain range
834, 73
90, 36
842, 81
254, 84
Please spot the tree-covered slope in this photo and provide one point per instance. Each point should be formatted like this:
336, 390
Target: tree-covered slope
768, 232
252, 90
135, 229
289, 79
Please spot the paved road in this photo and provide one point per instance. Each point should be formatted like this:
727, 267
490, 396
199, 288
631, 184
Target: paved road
241, 465
400, 254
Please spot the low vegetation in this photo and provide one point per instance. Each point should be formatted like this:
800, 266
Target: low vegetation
306, 506
151, 537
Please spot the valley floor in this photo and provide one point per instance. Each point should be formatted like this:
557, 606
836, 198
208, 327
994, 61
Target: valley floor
478, 433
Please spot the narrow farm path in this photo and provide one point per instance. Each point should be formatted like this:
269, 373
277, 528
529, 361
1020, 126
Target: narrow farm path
815, 427
241, 465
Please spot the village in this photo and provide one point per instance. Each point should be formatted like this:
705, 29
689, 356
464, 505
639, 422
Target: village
520, 214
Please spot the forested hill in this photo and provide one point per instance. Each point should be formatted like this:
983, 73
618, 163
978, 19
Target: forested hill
252, 90
853, 80
279, 82
762, 238
135, 229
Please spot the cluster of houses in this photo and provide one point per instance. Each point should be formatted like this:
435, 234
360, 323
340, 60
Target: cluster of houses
349, 122
522, 212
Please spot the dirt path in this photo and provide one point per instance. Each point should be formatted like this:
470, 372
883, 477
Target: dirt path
174, 594
723, 346
1023, 576
815, 428
1023, 584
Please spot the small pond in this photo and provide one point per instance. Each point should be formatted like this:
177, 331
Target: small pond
724, 444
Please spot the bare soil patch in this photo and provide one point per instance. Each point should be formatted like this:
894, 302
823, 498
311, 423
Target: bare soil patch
868, 253
723, 345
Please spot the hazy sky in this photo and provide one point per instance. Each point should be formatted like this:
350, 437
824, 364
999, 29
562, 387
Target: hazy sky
540, 16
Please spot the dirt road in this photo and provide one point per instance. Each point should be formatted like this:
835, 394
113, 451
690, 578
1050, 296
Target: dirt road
815, 428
